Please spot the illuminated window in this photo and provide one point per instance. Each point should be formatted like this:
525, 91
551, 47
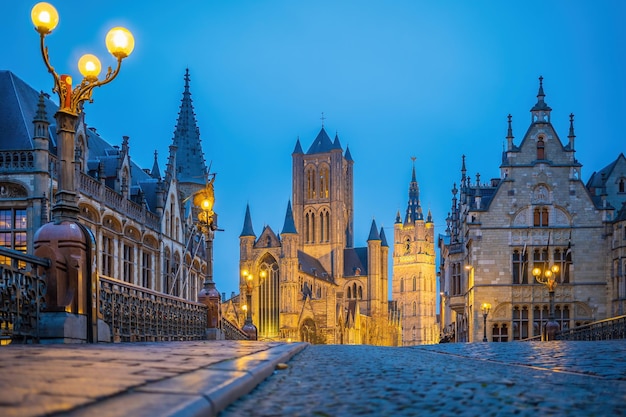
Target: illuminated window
324, 182
13, 230
310, 183
269, 298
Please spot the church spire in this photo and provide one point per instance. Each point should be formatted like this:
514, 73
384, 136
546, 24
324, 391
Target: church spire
156, 171
247, 224
413, 210
541, 111
188, 143
289, 225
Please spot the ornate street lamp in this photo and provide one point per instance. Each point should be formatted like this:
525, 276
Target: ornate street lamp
120, 44
485, 308
249, 328
547, 277
209, 295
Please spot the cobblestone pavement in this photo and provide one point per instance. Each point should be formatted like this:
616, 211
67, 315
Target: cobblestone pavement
139, 379
479, 379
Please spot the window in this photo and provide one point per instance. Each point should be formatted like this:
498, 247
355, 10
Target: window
268, 323
541, 148
310, 183
520, 322
540, 317
561, 315
401, 284
500, 333
324, 226
540, 259
324, 182
107, 255
414, 284
456, 279
146, 269
128, 263
414, 309
621, 186
561, 259
520, 267
13, 229
540, 218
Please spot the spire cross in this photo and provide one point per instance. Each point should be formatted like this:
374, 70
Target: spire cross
322, 119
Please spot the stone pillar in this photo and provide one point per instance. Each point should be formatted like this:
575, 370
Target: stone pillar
210, 297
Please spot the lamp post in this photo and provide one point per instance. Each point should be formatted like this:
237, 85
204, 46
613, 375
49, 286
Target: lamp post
485, 308
207, 224
249, 328
547, 277
120, 43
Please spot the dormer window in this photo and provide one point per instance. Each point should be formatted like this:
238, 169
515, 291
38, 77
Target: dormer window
621, 185
541, 148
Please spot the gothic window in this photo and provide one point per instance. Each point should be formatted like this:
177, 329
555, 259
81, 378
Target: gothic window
128, 262
324, 226
540, 317
107, 255
540, 258
349, 292
146, 269
456, 279
500, 333
621, 185
327, 226
540, 217
541, 148
559, 259
310, 183
561, 314
360, 292
414, 309
354, 290
520, 322
414, 333
520, 267
414, 284
167, 272
401, 285
309, 227
13, 230
324, 180
269, 298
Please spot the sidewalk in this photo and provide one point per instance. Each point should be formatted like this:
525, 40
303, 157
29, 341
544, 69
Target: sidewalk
139, 379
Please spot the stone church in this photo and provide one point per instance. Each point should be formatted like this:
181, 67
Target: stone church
310, 283
537, 215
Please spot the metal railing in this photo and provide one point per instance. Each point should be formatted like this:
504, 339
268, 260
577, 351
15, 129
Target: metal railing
609, 329
22, 293
136, 314
231, 331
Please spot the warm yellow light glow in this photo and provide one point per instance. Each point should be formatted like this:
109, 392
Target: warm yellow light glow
289, 340
120, 42
244, 307
45, 17
89, 66
555, 269
485, 307
263, 274
244, 272
548, 273
249, 277
536, 272
468, 267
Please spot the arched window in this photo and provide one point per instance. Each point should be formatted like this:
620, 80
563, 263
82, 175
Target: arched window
360, 292
401, 285
414, 309
324, 182
349, 292
268, 297
520, 322
414, 284
541, 148
621, 185
520, 267
310, 183
540, 217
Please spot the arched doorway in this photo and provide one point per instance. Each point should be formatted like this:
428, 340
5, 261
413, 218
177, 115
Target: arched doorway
308, 331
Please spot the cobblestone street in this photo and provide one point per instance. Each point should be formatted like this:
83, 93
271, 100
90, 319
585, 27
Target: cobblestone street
480, 379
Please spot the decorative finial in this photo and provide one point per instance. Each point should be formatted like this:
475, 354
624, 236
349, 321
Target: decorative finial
322, 119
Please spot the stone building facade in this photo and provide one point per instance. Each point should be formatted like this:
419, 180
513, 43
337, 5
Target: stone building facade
414, 279
537, 214
309, 283
143, 223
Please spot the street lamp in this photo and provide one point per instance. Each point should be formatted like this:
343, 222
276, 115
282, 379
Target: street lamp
249, 328
205, 199
485, 308
548, 278
120, 43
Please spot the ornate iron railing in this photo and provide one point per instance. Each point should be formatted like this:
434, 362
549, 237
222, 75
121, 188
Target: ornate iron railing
231, 331
609, 329
22, 293
136, 314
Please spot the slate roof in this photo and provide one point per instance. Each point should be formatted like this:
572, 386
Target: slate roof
311, 266
354, 259
321, 144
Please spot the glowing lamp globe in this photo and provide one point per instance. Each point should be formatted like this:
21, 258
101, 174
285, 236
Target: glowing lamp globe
120, 42
89, 66
45, 17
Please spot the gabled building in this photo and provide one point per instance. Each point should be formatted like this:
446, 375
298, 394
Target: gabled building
142, 221
536, 214
309, 282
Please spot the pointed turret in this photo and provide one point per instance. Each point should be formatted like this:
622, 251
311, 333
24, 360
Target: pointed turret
383, 238
541, 111
289, 226
413, 210
398, 218
247, 224
298, 149
348, 156
156, 171
336, 143
187, 140
373, 232
509, 134
429, 217
571, 136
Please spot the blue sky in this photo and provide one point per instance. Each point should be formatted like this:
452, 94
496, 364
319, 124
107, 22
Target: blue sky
395, 79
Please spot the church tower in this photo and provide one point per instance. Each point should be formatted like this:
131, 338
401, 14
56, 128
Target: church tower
414, 276
323, 200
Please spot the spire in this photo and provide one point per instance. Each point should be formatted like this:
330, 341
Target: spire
298, 148
413, 210
321, 144
156, 171
373, 232
289, 226
41, 115
247, 224
383, 238
348, 155
429, 217
541, 111
509, 134
336, 143
187, 140
463, 170
571, 135
398, 218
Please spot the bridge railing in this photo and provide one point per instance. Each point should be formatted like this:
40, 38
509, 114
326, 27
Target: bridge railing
613, 328
22, 292
231, 331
